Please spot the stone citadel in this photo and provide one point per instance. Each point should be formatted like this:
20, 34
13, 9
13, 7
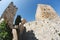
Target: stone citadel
46, 25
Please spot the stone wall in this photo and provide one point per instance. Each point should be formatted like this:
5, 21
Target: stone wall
43, 30
18, 30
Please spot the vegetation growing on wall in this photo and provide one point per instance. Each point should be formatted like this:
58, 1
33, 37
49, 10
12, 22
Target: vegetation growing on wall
5, 32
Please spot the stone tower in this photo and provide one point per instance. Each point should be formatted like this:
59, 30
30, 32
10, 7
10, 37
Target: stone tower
9, 14
43, 28
45, 12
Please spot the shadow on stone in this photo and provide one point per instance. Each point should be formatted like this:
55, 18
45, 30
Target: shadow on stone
28, 35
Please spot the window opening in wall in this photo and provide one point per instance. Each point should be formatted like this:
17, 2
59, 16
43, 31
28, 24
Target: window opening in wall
44, 9
35, 23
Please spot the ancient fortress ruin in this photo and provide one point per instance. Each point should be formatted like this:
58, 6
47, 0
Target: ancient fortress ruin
46, 25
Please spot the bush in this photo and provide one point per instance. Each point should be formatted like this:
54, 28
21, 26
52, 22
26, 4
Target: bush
5, 32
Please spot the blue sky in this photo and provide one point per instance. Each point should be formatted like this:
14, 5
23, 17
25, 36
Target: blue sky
27, 8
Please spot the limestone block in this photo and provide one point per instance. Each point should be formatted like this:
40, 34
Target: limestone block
14, 32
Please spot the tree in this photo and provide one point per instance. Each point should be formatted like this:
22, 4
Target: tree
18, 20
5, 32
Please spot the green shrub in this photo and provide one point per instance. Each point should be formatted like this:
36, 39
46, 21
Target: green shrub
5, 32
